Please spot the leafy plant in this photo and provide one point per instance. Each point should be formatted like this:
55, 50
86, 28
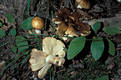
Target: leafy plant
26, 24
12, 32
22, 47
75, 47
28, 6
22, 44
105, 77
97, 48
96, 26
14, 49
97, 45
1, 24
2, 33
111, 30
111, 50
10, 18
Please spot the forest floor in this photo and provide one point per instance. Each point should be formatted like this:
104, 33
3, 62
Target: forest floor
13, 66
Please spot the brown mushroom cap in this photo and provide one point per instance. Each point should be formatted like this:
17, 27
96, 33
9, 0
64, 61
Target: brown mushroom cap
61, 29
70, 31
37, 23
83, 4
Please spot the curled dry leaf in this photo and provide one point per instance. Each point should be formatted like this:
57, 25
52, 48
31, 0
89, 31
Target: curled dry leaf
83, 4
2, 19
69, 23
52, 53
62, 11
4, 26
84, 29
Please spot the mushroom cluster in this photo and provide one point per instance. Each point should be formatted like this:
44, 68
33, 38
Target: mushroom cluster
69, 23
52, 53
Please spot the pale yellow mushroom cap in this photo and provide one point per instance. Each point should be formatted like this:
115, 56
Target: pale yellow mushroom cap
37, 59
52, 53
53, 46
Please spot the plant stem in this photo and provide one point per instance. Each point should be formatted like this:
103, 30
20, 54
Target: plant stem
4, 44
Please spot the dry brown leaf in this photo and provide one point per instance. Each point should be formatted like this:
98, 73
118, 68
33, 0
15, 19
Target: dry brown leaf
84, 29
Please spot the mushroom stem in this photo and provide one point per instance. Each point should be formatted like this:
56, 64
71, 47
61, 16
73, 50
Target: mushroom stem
59, 61
37, 31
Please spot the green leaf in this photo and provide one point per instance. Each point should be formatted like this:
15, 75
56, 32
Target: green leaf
14, 49
26, 52
26, 24
39, 41
75, 47
2, 33
105, 77
1, 24
96, 26
12, 32
111, 50
21, 43
10, 18
97, 48
112, 30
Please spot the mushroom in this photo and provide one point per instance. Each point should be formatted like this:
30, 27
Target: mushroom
83, 4
71, 32
52, 53
62, 27
37, 24
69, 24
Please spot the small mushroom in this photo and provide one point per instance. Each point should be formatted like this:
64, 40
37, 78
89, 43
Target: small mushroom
64, 29
61, 29
83, 4
71, 31
56, 20
52, 53
37, 24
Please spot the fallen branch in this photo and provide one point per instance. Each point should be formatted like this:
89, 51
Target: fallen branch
113, 21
